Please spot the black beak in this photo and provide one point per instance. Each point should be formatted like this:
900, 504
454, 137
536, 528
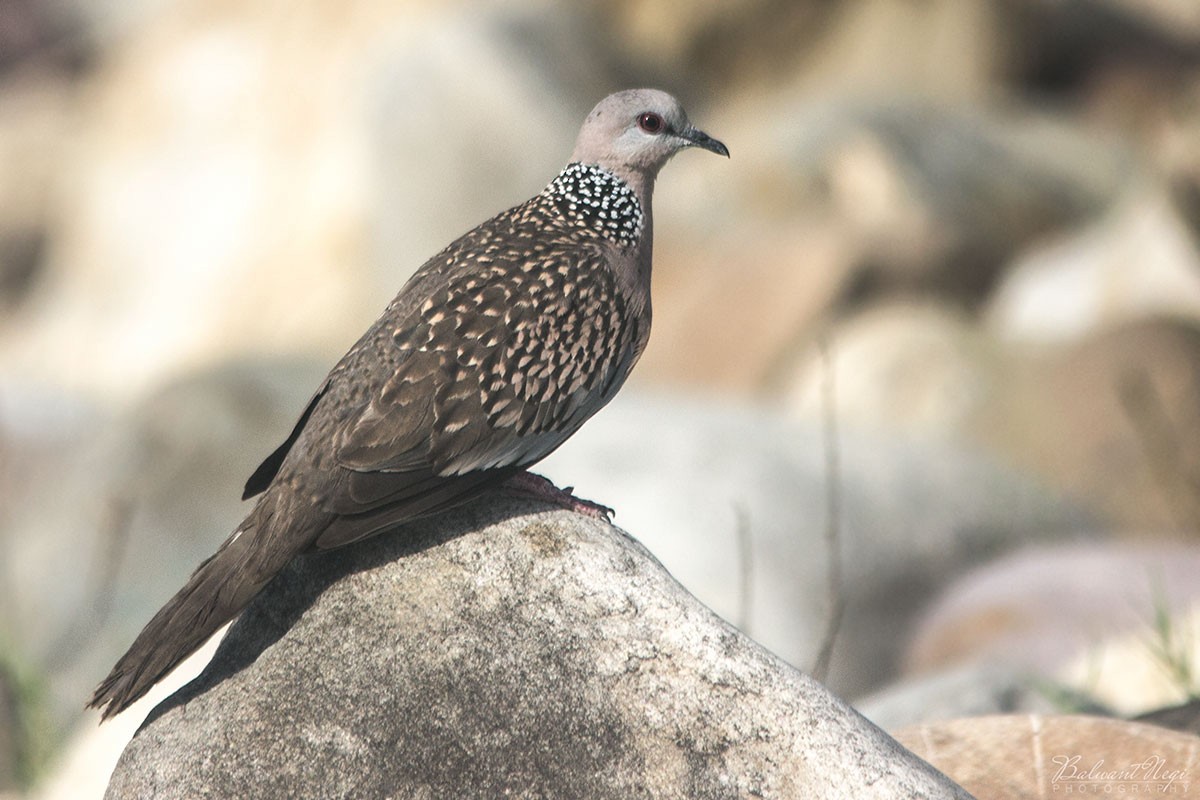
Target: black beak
698, 138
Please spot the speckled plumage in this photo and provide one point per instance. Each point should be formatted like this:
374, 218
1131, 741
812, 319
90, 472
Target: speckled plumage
492, 355
596, 200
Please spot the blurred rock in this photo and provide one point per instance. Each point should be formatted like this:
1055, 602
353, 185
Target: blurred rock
1111, 420
495, 651
230, 174
746, 47
901, 368
36, 122
1149, 667
1064, 614
105, 515
1184, 718
1057, 48
943, 48
735, 299
1140, 260
977, 689
735, 503
717, 44
20, 260
932, 197
39, 36
1029, 757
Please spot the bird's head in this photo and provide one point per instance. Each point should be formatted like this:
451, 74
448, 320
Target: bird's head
636, 131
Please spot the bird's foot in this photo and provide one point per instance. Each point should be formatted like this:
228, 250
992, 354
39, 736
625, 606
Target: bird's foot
535, 486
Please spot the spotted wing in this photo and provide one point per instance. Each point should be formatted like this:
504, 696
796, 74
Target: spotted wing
492, 371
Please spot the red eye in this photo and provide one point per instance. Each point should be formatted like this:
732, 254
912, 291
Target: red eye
651, 122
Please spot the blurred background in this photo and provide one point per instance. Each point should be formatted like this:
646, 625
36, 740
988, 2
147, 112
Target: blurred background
926, 349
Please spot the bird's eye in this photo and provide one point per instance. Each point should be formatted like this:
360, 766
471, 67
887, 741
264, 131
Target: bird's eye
651, 122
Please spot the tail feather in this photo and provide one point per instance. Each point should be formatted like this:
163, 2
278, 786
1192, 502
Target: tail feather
282, 525
216, 592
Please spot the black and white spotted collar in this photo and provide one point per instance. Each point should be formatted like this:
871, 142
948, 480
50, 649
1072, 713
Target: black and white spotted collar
599, 199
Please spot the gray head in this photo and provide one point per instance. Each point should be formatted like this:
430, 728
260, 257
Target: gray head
636, 131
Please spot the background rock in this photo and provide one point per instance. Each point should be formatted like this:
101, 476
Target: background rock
976, 689
1107, 620
920, 370
987, 208
104, 515
1032, 756
1110, 420
1139, 261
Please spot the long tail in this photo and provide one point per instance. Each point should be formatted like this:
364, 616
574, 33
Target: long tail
217, 591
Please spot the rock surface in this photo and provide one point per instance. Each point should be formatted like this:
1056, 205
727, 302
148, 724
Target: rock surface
497, 652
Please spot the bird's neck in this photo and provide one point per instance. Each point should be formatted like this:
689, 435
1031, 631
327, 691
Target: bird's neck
600, 199
618, 210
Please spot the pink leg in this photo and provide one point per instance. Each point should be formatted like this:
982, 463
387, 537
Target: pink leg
535, 486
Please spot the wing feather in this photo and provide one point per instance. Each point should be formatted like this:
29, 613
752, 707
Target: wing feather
500, 370
493, 354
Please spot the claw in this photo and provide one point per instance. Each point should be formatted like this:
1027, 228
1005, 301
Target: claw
531, 485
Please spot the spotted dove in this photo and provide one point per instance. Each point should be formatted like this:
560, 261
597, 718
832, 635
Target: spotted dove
493, 353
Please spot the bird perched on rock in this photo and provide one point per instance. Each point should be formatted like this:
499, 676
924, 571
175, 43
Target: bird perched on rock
493, 353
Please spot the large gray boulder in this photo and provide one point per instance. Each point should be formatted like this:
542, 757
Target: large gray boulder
503, 650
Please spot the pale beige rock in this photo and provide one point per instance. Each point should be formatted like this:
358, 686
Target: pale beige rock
916, 369
1110, 420
1148, 668
1137, 261
1030, 757
937, 48
1080, 615
237, 183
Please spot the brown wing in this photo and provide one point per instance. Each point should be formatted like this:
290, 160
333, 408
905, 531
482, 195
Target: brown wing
497, 367
487, 361
267, 470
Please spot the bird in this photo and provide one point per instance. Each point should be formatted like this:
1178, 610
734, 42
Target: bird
493, 353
